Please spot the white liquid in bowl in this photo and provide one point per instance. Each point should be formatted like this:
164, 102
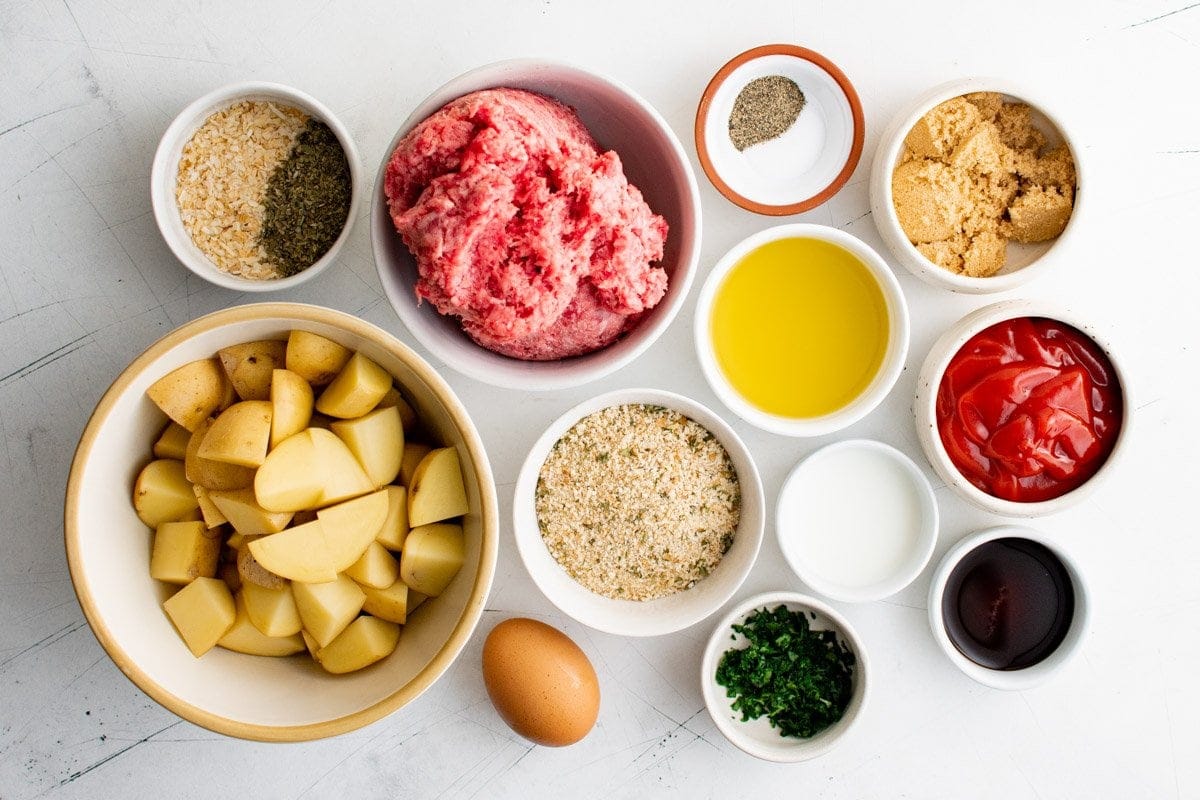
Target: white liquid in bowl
857, 520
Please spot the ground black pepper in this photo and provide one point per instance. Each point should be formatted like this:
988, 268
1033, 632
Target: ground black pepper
764, 109
307, 200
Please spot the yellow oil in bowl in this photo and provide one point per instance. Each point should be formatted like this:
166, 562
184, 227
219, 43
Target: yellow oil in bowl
799, 327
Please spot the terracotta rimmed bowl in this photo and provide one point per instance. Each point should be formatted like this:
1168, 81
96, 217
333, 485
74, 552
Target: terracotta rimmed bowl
1024, 261
664, 614
653, 160
164, 173
807, 164
929, 379
269, 699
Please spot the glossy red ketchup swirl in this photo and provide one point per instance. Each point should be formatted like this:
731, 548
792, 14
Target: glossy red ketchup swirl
1029, 409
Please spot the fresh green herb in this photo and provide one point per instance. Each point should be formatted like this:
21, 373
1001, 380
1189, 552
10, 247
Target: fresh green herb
306, 201
796, 677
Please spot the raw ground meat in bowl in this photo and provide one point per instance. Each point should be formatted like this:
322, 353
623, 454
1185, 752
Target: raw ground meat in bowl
559, 296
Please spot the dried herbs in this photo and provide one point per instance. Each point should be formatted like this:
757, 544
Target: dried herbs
764, 109
797, 677
307, 200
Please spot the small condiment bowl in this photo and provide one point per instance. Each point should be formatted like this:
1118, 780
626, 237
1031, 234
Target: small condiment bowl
887, 374
814, 500
1037, 673
1025, 261
925, 406
653, 160
756, 736
252, 697
651, 617
800, 169
164, 174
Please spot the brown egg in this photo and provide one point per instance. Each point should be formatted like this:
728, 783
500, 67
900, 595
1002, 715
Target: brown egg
540, 682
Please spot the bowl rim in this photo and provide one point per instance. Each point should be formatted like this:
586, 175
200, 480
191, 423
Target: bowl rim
164, 165
750, 484
894, 356
716, 645
929, 379
856, 146
559, 373
489, 516
883, 209
1053, 663
899, 580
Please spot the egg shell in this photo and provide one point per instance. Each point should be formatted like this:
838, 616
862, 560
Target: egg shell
541, 683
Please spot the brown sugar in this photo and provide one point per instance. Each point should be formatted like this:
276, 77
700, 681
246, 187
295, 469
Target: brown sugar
975, 173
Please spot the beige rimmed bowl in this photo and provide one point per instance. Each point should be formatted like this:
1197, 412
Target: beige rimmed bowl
1025, 261
268, 699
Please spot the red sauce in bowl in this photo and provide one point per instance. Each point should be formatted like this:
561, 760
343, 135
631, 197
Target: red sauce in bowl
1029, 409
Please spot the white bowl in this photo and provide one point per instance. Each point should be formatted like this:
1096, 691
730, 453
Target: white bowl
654, 162
756, 736
108, 552
164, 173
650, 617
870, 505
1037, 673
889, 369
1025, 261
930, 378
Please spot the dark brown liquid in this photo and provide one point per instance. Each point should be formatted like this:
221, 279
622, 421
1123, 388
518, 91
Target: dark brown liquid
1008, 604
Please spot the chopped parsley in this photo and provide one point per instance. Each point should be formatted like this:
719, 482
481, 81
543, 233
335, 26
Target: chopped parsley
796, 677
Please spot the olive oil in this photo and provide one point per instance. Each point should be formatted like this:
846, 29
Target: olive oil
799, 327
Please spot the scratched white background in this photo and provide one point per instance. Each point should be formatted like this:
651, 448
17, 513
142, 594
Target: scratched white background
86, 89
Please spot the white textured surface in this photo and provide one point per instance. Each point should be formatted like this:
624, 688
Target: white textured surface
88, 87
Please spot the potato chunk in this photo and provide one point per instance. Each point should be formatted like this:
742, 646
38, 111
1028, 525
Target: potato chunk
249, 365
433, 555
327, 608
202, 612
162, 493
437, 491
375, 567
364, 642
273, 611
240, 435
395, 525
357, 389
184, 551
291, 405
172, 442
213, 474
192, 393
377, 440
315, 358
244, 637
390, 603
245, 515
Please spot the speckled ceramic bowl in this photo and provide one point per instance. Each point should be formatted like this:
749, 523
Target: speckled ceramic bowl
254, 697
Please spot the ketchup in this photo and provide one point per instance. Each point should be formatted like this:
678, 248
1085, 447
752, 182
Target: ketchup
1029, 409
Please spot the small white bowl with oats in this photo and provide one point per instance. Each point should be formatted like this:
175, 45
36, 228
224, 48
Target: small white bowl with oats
213, 211
638, 512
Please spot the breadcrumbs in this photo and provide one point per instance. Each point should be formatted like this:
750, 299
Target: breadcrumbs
975, 174
223, 174
638, 502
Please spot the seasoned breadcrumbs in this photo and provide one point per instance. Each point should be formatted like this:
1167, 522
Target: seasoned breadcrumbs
223, 174
638, 502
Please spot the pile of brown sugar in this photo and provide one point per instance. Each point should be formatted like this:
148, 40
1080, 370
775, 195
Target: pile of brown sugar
975, 174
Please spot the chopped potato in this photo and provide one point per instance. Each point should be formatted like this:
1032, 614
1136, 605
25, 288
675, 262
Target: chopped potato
284, 510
